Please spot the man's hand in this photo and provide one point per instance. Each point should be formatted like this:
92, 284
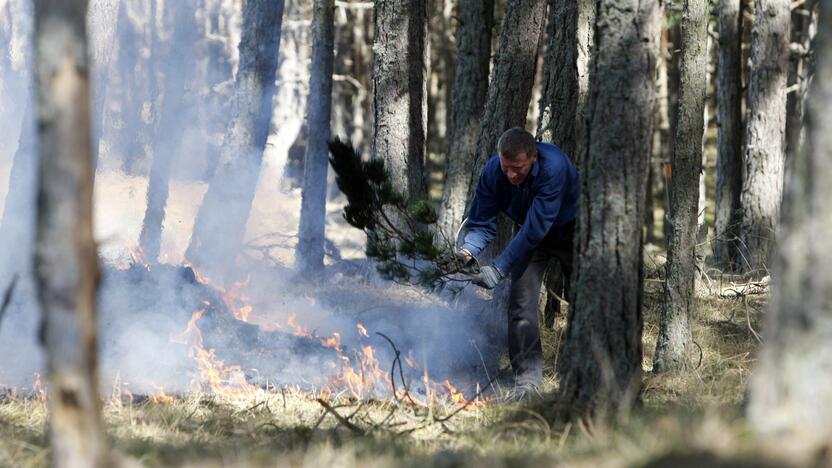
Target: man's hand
488, 277
457, 262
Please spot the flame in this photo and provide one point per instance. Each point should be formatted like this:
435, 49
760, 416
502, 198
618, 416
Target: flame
160, 396
362, 330
410, 361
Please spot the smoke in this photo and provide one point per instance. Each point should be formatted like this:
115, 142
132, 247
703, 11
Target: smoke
163, 75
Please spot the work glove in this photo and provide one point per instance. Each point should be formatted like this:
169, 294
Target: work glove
488, 277
459, 261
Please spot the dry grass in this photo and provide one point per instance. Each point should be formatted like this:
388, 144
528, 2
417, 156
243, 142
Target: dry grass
685, 420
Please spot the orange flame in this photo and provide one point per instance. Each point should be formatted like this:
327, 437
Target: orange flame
362, 330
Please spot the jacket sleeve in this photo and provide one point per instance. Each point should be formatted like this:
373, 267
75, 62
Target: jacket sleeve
542, 213
482, 216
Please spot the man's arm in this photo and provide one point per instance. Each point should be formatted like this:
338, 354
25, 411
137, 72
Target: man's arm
482, 216
539, 219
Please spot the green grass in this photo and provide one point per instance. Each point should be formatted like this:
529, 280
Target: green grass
682, 420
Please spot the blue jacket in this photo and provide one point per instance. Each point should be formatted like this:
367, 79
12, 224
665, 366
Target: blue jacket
547, 198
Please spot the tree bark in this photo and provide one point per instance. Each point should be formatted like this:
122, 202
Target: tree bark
791, 388
804, 28
65, 257
400, 94
510, 89
220, 224
729, 135
678, 301
177, 62
476, 19
309, 254
602, 355
566, 82
765, 145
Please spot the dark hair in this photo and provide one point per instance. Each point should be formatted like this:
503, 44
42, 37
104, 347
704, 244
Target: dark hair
516, 141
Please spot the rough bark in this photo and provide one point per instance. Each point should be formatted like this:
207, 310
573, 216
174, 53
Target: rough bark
476, 19
765, 145
400, 94
602, 354
176, 61
804, 28
510, 89
678, 301
65, 257
791, 388
309, 255
729, 135
566, 81
220, 224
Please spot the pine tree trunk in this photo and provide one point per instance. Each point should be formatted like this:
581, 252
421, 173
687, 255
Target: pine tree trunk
510, 89
791, 388
309, 255
177, 62
220, 224
65, 257
678, 300
400, 94
729, 135
469, 92
566, 82
602, 354
804, 28
765, 145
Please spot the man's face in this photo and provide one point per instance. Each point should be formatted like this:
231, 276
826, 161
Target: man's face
517, 168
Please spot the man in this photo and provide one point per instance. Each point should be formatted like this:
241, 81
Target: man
537, 186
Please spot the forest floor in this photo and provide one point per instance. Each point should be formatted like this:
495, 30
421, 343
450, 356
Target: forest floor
695, 419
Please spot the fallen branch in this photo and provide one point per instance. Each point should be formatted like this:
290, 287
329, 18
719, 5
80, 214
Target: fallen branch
346, 422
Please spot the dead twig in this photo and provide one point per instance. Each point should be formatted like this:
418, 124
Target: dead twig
341, 419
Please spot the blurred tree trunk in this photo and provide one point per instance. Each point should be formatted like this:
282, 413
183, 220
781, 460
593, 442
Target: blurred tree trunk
65, 257
678, 300
791, 387
765, 145
804, 28
602, 356
309, 255
729, 135
476, 20
400, 94
220, 223
102, 19
175, 60
660, 150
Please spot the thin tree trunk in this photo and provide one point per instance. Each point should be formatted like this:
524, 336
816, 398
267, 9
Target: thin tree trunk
309, 255
678, 300
400, 94
65, 257
729, 135
602, 356
177, 62
469, 93
220, 224
765, 145
791, 387
804, 22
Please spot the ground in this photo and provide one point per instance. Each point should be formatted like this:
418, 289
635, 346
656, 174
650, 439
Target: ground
689, 420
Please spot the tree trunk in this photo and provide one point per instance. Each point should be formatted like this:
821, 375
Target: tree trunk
220, 224
566, 82
510, 89
65, 257
765, 145
400, 94
678, 300
729, 135
309, 255
176, 61
476, 19
791, 388
804, 23
602, 354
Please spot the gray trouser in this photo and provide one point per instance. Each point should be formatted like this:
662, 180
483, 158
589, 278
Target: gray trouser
524, 347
